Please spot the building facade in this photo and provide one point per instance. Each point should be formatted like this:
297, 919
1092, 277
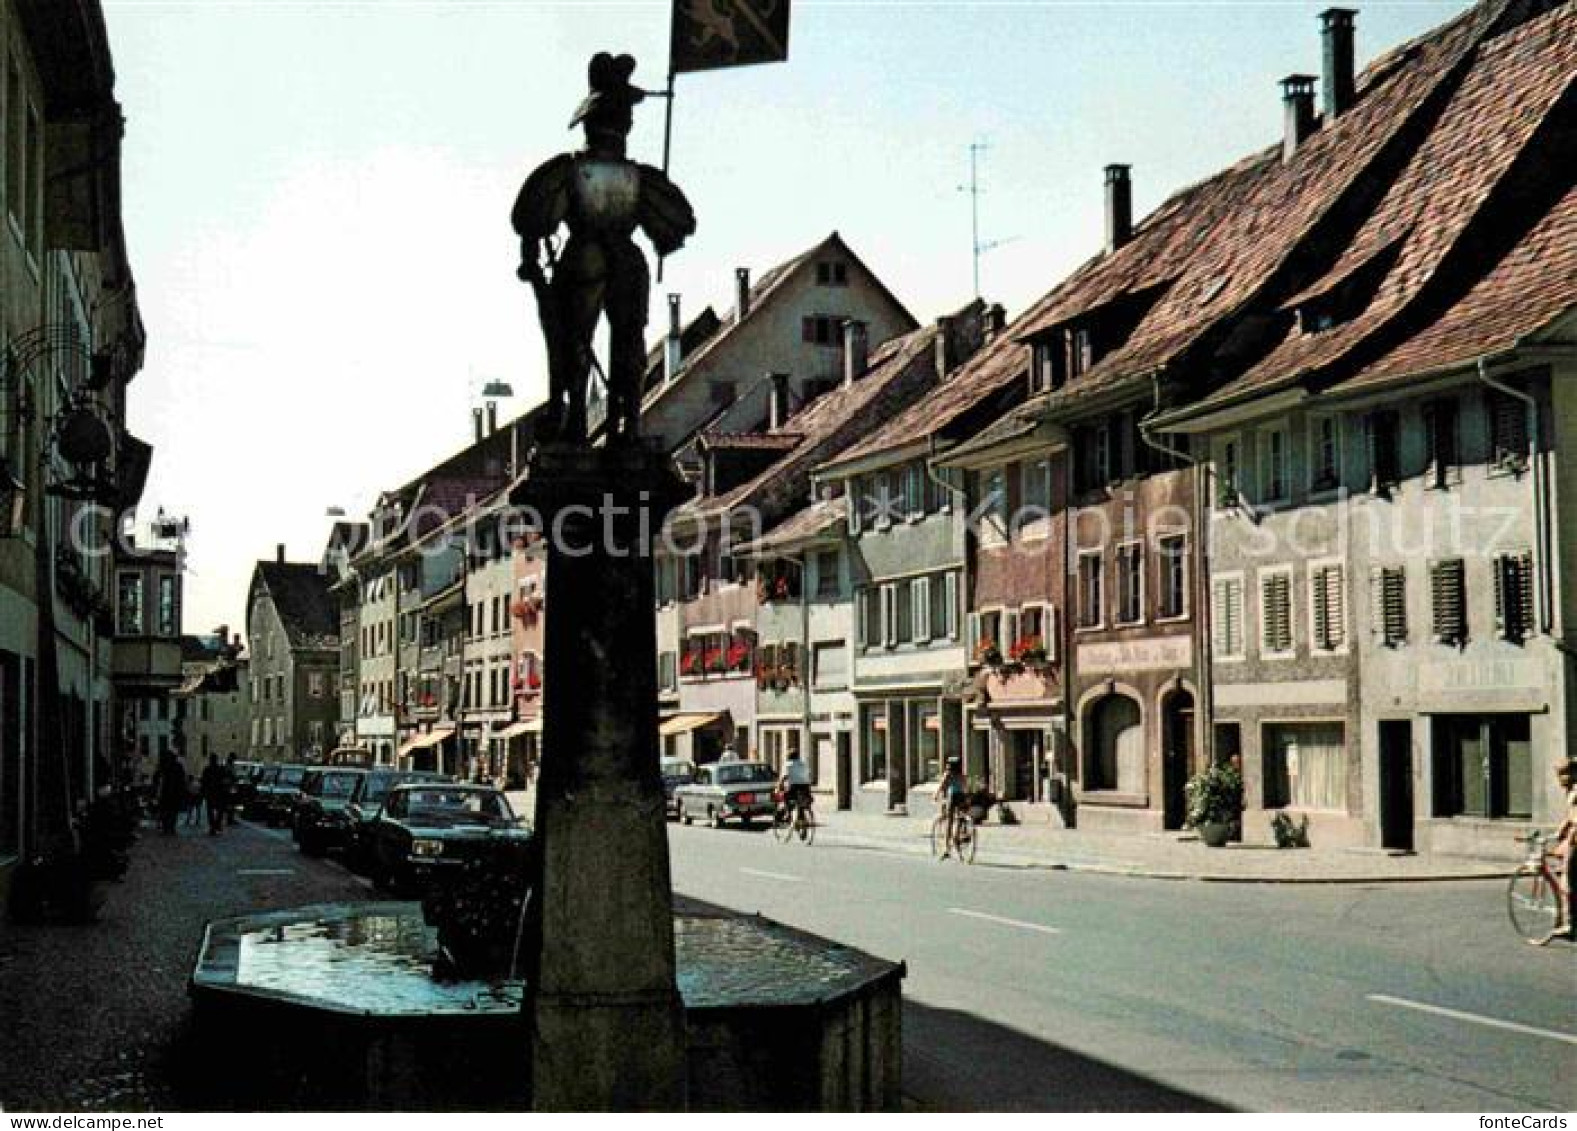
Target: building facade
293, 642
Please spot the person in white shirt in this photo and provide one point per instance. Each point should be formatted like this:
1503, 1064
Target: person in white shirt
795, 782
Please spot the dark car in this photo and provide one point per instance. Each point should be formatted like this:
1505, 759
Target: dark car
675, 772
275, 800
245, 784
365, 801
430, 829
728, 791
321, 820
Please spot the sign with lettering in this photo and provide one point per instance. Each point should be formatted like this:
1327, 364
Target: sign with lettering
1159, 653
1481, 675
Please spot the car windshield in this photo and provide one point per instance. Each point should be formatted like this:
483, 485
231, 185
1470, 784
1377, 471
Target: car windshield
337, 785
736, 772
458, 802
680, 770
290, 775
378, 785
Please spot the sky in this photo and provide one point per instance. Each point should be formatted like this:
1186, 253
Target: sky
317, 196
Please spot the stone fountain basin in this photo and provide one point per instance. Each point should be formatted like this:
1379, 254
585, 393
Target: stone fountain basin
334, 1006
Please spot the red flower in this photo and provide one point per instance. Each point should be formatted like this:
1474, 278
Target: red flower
691, 664
534, 681
738, 656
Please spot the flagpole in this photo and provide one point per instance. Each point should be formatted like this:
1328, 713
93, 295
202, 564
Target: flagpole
668, 133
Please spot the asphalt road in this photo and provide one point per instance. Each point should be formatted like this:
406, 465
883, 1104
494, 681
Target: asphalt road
1039, 990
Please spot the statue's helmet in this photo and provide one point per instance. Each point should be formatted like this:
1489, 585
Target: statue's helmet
612, 95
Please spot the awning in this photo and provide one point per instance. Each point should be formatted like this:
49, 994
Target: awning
431, 738
515, 730
685, 722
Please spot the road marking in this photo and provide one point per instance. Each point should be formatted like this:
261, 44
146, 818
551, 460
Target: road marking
773, 876
265, 872
1042, 928
1492, 1022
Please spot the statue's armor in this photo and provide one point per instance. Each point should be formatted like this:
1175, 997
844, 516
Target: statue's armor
605, 196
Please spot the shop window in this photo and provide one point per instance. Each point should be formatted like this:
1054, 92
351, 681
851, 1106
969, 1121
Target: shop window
1483, 766
1306, 766
1115, 746
873, 728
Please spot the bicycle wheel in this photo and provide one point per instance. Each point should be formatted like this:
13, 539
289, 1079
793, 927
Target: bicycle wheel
782, 825
938, 835
966, 838
1530, 899
806, 826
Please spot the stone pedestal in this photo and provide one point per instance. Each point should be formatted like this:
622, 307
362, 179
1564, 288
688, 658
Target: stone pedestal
607, 1021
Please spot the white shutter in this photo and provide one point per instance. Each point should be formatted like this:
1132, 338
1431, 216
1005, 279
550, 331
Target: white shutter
920, 607
1329, 607
1449, 601
950, 595
889, 616
1051, 635
1010, 633
974, 633
1275, 613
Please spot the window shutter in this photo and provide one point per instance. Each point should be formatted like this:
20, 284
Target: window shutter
1388, 593
1275, 613
921, 608
1330, 609
1051, 634
1010, 622
1449, 600
950, 595
1508, 432
974, 633
890, 615
1514, 596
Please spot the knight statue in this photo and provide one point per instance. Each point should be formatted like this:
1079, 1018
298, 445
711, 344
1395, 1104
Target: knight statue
600, 197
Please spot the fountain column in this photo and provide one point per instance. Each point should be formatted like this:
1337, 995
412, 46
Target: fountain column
607, 1020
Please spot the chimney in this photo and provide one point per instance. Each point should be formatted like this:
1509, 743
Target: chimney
1297, 99
855, 351
778, 401
492, 417
476, 424
279, 552
1119, 207
1336, 29
992, 322
672, 354
945, 337
741, 293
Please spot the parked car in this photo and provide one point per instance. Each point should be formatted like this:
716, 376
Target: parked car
245, 784
364, 802
725, 791
427, 829
276, 794
255, 808
675, 772
321, 822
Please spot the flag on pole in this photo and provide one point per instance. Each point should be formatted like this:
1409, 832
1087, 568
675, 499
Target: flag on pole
711, 34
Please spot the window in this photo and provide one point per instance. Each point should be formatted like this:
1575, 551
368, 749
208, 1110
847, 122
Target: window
914, 491
1226, 614
1091, 609
1508, 432
1275, 612
1306, 766
1514, 596
873, 729
1325, 471
1385, 465
1483, 766
832, 274
1079, 350
1328, 607
1229, 472
870, 611
1448, 598
822, 330
1044, 371
128, 604
1389, 591
1130, 583
944, 607
902, 628
890, 615
1034, 496
1273, 462
993, 508
827, 573
1440, 432
1174, 576
1093, 452
317, 686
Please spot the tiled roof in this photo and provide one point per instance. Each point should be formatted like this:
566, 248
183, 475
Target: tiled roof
803, 525
1435, 217
1021, 420
827, 422
306, 606
1232, 241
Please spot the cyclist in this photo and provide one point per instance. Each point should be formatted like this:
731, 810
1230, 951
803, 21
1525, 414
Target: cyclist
795, 784
950, 791
1565, 844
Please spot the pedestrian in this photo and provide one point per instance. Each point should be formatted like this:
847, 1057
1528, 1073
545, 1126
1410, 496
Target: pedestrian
194, 801
169, 790
216, 794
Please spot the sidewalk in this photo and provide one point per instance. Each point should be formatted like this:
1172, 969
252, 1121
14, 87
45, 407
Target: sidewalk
1169, 856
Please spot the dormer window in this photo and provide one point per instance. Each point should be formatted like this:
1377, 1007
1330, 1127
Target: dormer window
1045, 374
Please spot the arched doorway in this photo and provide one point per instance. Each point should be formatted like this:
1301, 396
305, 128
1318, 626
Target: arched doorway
1177, 755
1116, 745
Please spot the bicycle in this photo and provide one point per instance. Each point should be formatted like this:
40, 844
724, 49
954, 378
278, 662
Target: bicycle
1535, 893
966, 837
791, 820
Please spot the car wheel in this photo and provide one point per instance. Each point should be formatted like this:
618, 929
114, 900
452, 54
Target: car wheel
311, 845
684, 816
714, 818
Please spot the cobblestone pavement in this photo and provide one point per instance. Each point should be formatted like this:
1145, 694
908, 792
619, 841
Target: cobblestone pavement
93, 1018
1037, 844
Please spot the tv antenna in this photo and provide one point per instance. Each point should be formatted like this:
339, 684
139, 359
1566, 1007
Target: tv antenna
976, 245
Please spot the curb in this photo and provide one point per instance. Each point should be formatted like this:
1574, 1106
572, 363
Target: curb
1023, 863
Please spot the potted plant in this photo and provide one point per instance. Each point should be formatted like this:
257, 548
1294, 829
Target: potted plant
1215, 798
987, 653
1028, 650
